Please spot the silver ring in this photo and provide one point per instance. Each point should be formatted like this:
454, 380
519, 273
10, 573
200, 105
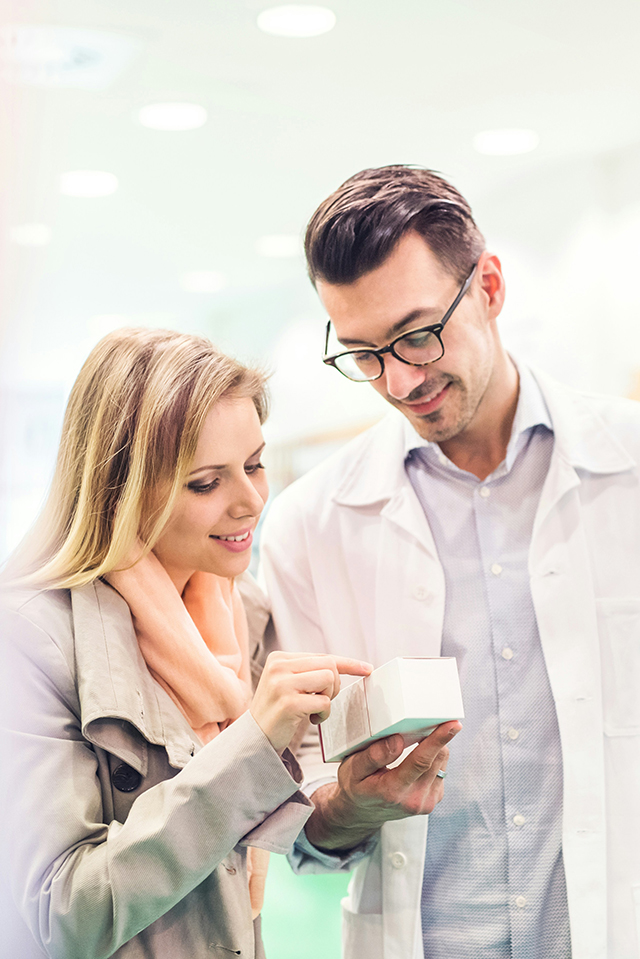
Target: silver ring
441, 774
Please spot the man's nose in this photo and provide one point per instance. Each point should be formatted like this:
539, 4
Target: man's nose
401, 378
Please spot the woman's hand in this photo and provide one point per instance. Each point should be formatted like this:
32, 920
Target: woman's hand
295, 687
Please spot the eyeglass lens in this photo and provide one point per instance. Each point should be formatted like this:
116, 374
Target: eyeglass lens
418, 347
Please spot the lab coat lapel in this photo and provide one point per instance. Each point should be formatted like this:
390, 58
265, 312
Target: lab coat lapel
408, 580
564, 600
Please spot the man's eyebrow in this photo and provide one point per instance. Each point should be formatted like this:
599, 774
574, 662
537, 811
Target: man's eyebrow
223, 466
414, 317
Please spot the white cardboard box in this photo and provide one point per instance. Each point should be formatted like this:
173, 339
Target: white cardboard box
408, 695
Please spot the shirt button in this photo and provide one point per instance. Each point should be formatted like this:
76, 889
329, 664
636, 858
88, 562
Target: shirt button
485, 491
442, 458
420, 592
496, 569
507, 653
513, 733
519, 820
398, 860
521, 902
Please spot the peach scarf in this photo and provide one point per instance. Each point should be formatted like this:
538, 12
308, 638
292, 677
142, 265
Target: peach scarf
196, 647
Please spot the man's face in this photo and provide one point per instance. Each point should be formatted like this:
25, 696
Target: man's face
412, 289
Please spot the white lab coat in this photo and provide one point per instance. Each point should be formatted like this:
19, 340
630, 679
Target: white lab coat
351, 567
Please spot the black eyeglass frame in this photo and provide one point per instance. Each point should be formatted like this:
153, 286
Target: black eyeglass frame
435, 328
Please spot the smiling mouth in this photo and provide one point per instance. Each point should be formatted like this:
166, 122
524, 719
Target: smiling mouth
427, 398
233, 539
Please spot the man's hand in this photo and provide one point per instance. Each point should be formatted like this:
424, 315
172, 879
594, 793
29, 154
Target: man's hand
369, 794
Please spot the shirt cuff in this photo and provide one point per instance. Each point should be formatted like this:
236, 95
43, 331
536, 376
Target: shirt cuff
305, 857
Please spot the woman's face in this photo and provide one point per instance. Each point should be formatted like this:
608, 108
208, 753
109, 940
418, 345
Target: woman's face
211, 526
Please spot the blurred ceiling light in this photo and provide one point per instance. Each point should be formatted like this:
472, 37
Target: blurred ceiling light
88, 183
54, 56
203, 281
30, 234
506, 142
295, 20
279, 245
173, 116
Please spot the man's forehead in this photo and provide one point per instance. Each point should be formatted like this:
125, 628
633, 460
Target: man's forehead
409, 288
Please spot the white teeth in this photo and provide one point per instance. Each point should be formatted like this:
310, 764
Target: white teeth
233, 539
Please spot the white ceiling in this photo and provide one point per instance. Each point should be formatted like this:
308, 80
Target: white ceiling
289, 119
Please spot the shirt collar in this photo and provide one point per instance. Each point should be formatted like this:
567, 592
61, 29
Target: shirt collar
531, 411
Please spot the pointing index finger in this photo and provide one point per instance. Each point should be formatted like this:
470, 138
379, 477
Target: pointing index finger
352, 667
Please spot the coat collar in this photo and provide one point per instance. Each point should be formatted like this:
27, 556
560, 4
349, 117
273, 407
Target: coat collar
115, 684
583, 438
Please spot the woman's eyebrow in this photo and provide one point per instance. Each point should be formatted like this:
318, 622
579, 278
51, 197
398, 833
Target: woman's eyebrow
224, 466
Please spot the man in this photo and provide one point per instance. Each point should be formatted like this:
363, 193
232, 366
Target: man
493, 516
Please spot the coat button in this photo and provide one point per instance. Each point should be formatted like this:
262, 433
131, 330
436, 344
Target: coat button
125, 779
398, 860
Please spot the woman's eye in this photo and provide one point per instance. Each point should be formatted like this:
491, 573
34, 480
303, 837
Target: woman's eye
253, 468
203, 487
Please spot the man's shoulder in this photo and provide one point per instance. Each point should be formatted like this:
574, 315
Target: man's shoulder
617, 414
355, 459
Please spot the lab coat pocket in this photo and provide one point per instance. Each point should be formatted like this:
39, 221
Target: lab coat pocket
636, 900
361, 933
619, 630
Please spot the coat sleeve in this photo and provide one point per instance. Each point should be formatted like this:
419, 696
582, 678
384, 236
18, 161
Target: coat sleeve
85, 886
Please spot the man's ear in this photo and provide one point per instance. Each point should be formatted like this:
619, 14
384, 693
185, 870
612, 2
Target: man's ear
492, 283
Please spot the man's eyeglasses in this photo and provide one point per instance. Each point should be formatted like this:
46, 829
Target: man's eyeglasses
416, 347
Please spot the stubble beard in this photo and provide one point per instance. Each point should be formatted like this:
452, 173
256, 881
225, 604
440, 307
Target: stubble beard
434, 427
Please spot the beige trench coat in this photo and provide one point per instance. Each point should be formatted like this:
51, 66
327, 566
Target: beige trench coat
123, 835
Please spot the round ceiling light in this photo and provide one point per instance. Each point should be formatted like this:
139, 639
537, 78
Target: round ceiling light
203, 281
296, 20
506, 142
172, 116
279, 245
88, 183
30, 234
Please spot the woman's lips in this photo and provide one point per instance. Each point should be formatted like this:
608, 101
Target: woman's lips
233, 544
423, 406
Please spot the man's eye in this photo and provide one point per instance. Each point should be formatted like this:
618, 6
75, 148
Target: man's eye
203, 487
418, 339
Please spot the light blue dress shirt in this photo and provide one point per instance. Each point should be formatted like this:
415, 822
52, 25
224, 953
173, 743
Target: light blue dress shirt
494, 884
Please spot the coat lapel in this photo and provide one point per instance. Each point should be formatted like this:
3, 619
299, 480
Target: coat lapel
562, 588
122, 707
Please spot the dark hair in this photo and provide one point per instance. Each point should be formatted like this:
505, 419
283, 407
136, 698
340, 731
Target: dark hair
355, 229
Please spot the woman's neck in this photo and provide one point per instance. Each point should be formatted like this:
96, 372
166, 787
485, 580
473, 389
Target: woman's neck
178, 576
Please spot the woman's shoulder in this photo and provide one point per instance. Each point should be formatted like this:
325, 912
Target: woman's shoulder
28, 615
46, 609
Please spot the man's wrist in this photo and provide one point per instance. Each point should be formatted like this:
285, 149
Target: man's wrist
336, 824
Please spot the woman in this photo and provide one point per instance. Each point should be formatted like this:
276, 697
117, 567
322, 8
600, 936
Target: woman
143, 783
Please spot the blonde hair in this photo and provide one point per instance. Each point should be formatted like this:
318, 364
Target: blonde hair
129, 436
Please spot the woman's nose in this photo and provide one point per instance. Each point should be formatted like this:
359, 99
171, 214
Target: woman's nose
247, 500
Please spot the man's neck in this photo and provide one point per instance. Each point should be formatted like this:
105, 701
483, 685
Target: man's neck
482, 446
